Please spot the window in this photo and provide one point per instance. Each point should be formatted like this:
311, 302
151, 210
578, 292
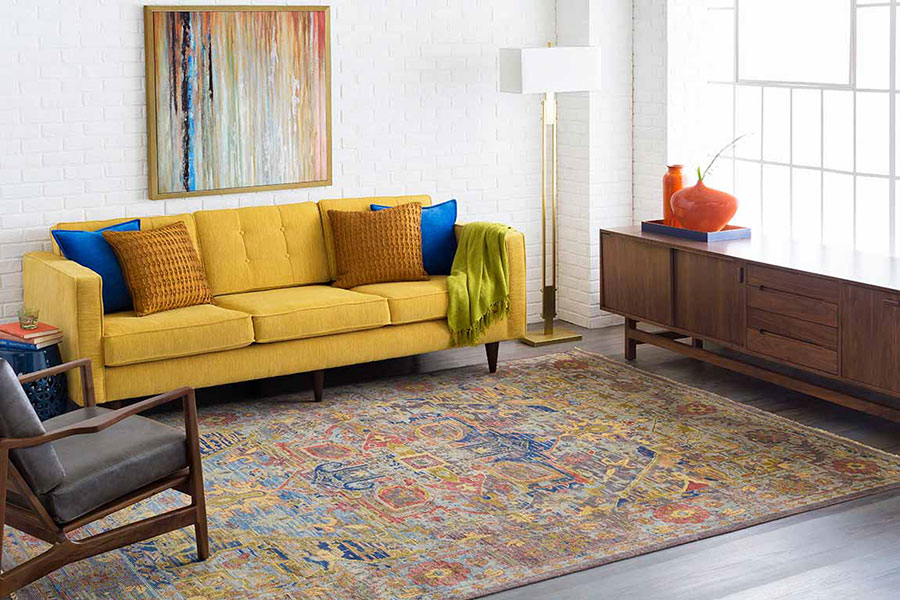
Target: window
794, 41
815, 83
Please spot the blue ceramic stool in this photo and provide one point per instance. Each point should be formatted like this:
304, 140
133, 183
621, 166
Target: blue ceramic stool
47, 395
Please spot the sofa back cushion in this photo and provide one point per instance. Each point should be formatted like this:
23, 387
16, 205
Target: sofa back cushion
147, 223
262, 247
357, 204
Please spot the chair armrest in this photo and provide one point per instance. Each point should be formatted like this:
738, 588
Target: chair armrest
69, 296
87, 378
99, 423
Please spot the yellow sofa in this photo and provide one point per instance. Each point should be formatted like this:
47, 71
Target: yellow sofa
269, 269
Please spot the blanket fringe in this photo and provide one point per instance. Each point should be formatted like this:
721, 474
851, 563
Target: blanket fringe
470, 336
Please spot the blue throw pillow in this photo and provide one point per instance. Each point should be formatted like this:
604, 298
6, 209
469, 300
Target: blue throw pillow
88, 248
438, 236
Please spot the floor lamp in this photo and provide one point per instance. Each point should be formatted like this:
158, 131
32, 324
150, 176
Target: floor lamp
548, 71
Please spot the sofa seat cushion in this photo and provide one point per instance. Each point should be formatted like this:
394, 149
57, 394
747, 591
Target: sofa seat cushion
308, 311
129, 339
412, 301
104, 466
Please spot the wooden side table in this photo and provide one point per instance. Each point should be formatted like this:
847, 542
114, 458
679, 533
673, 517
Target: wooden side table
47, 395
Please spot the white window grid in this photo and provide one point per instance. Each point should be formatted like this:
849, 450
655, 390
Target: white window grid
891, 92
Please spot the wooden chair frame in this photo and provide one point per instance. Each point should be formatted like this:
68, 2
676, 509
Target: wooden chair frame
34, 520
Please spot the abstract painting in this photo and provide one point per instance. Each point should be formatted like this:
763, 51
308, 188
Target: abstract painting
238, 99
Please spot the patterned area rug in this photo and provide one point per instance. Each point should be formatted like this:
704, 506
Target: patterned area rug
460, 483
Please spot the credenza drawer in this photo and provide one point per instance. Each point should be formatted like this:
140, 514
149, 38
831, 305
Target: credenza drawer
793, 305
804, 331
793, 351
795, 283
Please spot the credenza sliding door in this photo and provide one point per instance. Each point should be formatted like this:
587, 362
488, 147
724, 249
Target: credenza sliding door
710, 296
637, 279
870, 337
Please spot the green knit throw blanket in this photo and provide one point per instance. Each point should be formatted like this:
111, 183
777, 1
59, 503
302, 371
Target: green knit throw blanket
479, 282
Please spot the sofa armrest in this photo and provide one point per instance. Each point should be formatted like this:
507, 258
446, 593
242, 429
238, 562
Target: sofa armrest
518, 304
70, 297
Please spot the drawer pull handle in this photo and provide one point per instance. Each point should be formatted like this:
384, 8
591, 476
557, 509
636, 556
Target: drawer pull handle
777, 292
778, 336
892, 303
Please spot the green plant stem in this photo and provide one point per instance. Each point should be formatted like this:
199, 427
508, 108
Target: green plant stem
718, 154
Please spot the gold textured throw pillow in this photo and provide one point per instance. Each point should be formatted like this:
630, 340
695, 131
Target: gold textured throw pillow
378, 246
161, 268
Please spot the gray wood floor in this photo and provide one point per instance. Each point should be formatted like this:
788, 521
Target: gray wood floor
847, 551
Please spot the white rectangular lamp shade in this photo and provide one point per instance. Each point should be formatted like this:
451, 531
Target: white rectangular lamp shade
558, 69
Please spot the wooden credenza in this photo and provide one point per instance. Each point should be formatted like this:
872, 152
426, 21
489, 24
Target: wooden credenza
827, 312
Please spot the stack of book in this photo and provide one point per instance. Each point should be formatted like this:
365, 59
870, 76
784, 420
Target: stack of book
13, 337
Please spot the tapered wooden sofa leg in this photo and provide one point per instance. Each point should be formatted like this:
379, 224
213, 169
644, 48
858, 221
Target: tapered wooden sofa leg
492, 350
318, 384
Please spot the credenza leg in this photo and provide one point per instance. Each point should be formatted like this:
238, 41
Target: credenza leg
630, 344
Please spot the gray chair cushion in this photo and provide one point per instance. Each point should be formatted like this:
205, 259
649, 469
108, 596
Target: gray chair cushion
39, 465
104, 466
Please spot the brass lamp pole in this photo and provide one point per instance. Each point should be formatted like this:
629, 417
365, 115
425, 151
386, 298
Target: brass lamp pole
548, 71
549, 335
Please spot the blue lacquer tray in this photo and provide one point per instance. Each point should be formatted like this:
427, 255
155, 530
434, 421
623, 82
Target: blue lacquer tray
730, 232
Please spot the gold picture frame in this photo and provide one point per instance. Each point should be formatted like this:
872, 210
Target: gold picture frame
322, 173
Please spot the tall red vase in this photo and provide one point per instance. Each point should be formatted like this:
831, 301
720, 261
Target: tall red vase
672, 182
703, 209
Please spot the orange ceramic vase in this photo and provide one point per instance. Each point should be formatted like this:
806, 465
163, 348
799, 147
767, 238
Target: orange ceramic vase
672, 182
703, 209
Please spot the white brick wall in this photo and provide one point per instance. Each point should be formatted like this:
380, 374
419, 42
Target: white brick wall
415, 110
577, 147
612, 142
677, 119
694, 133
595, 153
650, 105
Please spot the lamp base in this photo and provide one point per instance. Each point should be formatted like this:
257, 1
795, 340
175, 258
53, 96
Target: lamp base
559, 336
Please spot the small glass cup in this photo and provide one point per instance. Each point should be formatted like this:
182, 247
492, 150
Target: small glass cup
28, 318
